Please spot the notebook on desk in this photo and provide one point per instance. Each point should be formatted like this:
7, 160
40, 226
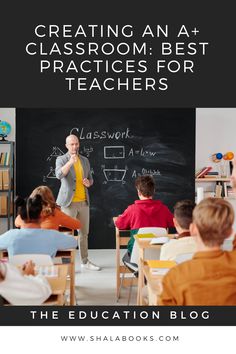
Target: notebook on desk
145, 236
153, 238
158, 267
159, 240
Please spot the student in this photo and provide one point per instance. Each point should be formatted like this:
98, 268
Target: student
23, 287
145, 212
52, 217
183, 242
209, 278
31, 238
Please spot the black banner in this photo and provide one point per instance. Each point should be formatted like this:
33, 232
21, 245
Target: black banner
136, 55
118, 316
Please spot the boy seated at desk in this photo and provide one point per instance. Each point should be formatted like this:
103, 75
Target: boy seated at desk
145, 212
183, 243
209, 278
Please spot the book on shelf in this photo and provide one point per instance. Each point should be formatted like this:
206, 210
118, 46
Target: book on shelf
7, 162
218, 191
5, 179
3, 205
225, 189
231, 167
4, 158
228, 191
212, 173
201, 173
197, 172
1, 181
158, 267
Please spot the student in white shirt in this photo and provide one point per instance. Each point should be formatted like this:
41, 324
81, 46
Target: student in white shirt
183, 242
23, 287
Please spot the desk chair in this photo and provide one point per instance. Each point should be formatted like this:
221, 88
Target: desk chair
183, 257
45, 260
68, 257
58, 286
157, 231
122, 239
38, 259
68, 231
227, 245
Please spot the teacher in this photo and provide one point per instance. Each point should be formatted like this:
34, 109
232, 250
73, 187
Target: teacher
73, 170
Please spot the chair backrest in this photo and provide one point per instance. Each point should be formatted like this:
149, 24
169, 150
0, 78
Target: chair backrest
58, 286
38, 259
150, 253
227, 245
183, 257
157, 231
122, 239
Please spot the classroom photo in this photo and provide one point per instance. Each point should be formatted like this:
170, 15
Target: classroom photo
117, 207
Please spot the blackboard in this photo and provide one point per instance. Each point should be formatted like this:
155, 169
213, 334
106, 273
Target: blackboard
120, 144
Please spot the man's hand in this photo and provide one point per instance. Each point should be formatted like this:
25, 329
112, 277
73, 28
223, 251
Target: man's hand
73, 159
28, 268
86, 182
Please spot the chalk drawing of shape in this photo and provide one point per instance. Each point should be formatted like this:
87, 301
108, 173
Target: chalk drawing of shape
51, 174
55, 153
114, 152
114, 175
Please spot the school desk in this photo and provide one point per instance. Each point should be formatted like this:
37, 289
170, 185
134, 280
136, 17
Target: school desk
143, 245
67, 256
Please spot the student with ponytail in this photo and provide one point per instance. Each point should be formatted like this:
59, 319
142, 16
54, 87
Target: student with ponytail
31, 238
51, 216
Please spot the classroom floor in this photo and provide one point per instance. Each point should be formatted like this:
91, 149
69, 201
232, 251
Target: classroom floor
99, 287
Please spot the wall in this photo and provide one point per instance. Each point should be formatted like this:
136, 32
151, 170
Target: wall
215, 132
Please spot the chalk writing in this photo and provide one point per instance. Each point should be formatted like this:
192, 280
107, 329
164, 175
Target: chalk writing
85, 134
86, 150
145, 171
142, 152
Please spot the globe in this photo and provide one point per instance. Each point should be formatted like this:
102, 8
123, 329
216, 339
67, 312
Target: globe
5, 129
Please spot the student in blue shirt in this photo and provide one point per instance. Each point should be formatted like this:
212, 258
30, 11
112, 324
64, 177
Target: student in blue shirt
31, 238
